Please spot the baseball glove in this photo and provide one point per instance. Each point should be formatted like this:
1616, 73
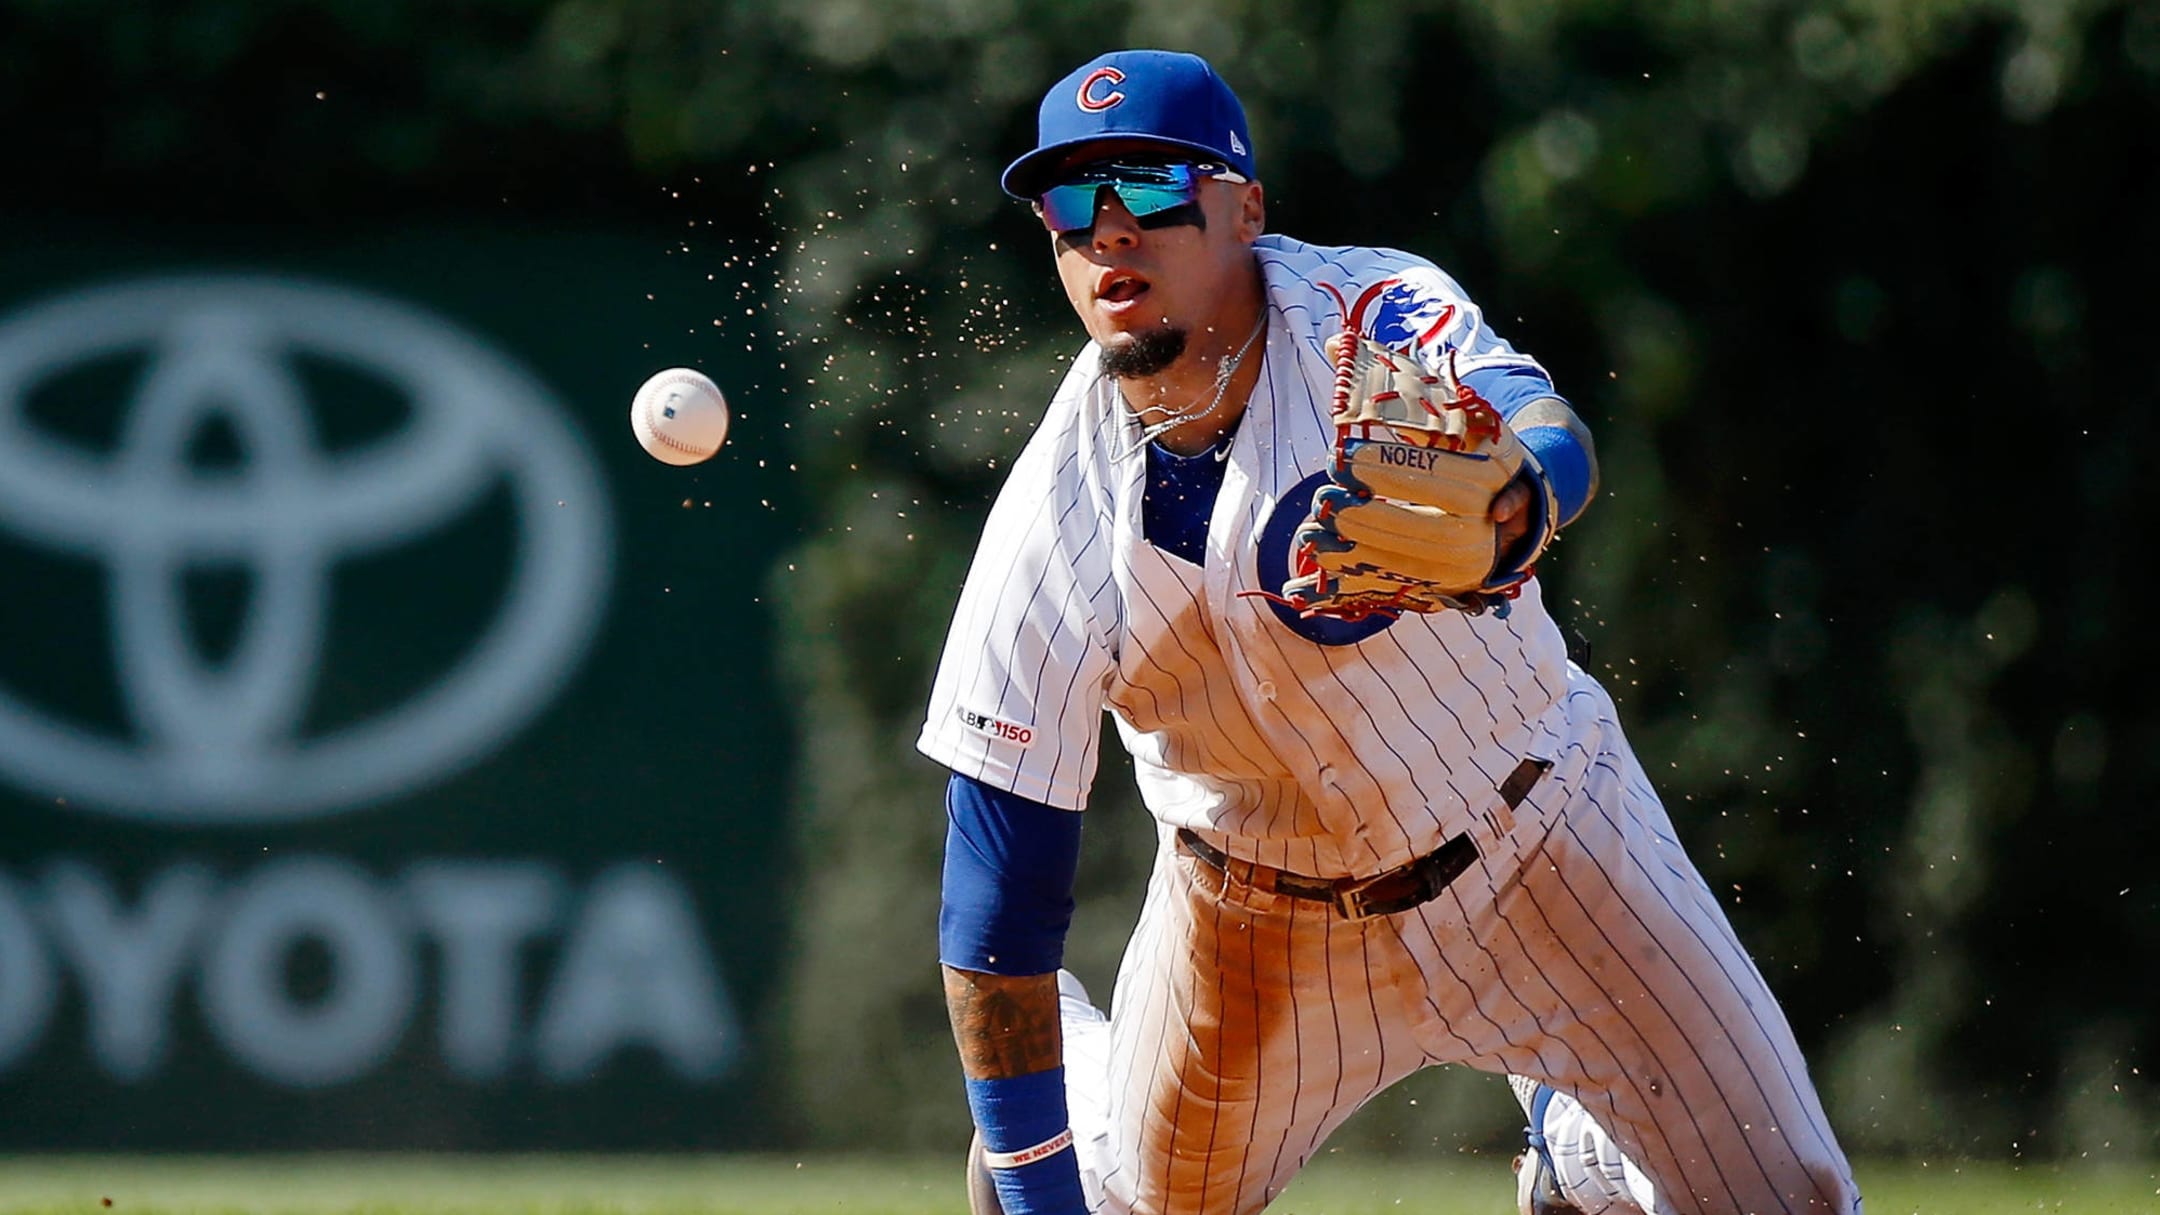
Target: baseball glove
1406, 525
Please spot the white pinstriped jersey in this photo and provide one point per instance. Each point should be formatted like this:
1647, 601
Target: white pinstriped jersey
1581, 949
1325, 759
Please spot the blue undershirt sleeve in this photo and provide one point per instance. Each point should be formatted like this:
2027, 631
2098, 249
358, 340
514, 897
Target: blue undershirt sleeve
1008, 882
1509, 388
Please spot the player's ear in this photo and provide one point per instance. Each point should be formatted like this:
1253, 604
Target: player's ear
1252, 213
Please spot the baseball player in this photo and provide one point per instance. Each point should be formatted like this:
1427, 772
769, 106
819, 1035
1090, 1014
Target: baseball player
1280, 520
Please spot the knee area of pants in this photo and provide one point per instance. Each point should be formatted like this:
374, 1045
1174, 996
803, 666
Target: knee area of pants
1830, 1193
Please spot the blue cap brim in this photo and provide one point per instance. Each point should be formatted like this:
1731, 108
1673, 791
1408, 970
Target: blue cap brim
1027, 177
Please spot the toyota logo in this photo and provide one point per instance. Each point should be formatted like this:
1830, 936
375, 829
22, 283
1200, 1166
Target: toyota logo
224, 741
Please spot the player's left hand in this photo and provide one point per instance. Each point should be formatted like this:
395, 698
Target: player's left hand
1435, 503
1511, 513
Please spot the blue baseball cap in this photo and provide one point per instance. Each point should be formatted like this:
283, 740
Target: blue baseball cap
1163, 97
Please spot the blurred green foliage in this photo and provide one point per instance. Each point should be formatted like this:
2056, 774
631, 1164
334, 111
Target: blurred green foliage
1853, 292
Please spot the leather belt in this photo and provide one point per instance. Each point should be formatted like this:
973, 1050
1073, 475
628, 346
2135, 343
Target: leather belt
1397, 890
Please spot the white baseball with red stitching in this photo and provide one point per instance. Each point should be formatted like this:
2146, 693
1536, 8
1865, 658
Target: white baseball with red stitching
680, 416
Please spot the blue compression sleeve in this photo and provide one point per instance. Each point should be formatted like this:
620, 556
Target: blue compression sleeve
1009, 865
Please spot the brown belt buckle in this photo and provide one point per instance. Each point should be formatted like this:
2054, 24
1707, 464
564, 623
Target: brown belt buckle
1350, 899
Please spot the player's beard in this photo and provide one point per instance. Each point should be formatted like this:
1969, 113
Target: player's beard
1150, 352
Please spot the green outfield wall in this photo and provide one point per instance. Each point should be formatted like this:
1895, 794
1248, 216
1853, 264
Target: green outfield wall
389, 752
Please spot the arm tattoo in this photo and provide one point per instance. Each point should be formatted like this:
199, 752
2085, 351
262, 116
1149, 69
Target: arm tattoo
1004, 1025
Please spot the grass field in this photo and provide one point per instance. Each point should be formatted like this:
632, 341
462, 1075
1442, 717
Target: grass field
715, 1185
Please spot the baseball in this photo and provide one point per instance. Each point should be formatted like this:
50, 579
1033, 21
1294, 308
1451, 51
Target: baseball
679, 416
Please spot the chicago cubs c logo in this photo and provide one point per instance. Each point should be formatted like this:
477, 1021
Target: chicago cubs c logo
1093, 102
243, 737
1273, 557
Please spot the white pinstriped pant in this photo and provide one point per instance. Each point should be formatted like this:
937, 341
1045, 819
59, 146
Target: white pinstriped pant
1247, 1026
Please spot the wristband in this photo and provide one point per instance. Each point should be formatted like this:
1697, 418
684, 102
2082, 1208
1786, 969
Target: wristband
1041, 1151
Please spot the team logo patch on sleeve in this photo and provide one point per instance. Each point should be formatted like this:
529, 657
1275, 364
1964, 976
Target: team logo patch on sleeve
1409, 312
996, 729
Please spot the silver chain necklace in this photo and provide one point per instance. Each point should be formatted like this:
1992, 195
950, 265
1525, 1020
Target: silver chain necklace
1225, 371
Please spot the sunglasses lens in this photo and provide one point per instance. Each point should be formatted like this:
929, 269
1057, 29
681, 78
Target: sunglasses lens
1144, 200
1069, 207
1143, 189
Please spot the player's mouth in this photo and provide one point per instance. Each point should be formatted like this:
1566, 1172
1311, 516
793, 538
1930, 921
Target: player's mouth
1119, 291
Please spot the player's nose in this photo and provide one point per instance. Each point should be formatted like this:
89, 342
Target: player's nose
1115, 226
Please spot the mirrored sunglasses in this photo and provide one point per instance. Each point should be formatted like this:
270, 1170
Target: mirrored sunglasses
1144, 189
